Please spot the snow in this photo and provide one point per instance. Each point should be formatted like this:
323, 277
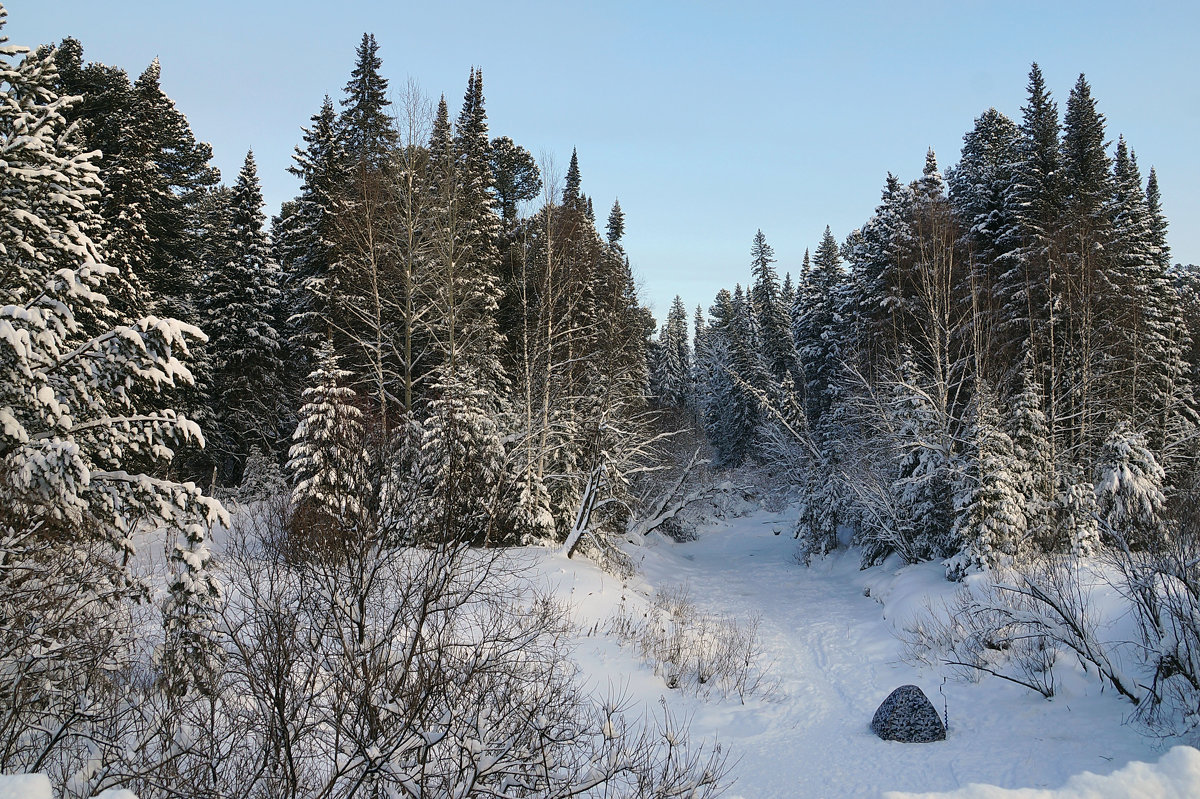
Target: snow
1175, 776
828, 635
25, 786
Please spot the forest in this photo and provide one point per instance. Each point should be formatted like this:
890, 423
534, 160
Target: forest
261, 481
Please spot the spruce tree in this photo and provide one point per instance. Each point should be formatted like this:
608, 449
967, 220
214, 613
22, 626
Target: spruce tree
774, 339
730, 412
616, 223
1032, 468
921, 488
245, 346
570, 196
816, 338
85, 439
978, 189
1093, 314
327, 457
669, 377
367, 129
1129, 490
1026, 286
990, 523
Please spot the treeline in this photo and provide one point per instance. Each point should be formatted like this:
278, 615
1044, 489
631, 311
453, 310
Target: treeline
402, 329
420, 360
998, 363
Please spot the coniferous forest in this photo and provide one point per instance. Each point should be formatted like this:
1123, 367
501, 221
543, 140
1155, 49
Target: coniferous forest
267, 485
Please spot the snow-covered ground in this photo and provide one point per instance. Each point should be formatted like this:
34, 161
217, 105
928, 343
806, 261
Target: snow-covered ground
834, 658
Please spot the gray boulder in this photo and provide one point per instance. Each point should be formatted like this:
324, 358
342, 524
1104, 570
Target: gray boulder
907, 715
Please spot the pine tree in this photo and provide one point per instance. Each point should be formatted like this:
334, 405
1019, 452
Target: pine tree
517, 178
245, 346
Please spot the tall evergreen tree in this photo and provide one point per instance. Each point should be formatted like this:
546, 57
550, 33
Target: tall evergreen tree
616, 223
517, 177
245, 346
730, 412
327, 457
1026, 287
771, 315
570, 197
1093, 315
990, 521
814, 330
367, 130
669, 379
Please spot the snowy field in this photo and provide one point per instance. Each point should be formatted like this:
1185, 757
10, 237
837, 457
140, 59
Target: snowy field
834, 658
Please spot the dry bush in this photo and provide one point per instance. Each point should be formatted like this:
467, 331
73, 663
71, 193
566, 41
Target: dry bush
695, 651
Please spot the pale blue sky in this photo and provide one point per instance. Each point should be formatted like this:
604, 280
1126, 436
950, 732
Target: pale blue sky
708, 120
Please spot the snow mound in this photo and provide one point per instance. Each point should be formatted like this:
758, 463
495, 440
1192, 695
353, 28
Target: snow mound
37, 786
25, 786
1175, 776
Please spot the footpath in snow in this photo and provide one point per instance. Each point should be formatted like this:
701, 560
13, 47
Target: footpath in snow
834, 658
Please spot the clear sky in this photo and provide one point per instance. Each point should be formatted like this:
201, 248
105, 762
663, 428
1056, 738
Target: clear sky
707, 120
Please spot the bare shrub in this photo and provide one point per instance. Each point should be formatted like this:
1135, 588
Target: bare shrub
1163, 586
692, 650
420, 672
1016, 626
